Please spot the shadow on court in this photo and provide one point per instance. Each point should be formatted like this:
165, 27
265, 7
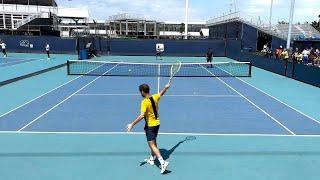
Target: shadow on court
167, 153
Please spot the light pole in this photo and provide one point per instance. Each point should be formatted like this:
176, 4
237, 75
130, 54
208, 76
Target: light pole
186, 20
3, 19
270, 17
290, 23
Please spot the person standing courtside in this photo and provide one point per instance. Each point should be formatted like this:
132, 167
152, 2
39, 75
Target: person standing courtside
209, 57
3, 47
158, 52
47, 47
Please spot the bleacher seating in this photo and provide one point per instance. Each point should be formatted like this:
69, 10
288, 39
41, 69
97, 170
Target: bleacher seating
299, 31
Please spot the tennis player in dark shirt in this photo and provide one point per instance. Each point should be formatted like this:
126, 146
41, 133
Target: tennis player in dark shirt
209, 57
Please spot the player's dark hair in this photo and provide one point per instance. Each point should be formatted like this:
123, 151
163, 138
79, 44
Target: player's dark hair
144, 88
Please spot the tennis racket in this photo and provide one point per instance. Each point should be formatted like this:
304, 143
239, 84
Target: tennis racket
175, 68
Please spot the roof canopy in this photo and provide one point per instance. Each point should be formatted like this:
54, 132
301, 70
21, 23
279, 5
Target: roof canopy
31, 2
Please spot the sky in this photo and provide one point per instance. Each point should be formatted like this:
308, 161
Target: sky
199, 10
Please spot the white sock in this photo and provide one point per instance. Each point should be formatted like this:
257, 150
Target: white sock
151, 158
161, 160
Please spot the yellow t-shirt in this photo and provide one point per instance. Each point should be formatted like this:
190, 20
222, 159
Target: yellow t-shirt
146, 107
285, 55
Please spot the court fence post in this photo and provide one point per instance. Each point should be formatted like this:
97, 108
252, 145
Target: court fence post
250, 69
68, 67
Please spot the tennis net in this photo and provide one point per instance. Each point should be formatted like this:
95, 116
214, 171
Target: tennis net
102, 68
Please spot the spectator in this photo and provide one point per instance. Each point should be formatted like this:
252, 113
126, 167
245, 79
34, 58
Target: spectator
317, 60
285, 55
318, 52
299, 58
91, 50
305, 54
312, 56
278, 52
265, 49
270, 53
295, 55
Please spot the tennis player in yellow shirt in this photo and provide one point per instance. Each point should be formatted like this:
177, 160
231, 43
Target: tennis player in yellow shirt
149, 112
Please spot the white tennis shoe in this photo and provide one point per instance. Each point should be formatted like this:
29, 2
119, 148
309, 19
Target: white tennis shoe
149, 161
164, 166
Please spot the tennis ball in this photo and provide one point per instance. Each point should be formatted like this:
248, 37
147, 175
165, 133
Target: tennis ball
129, 70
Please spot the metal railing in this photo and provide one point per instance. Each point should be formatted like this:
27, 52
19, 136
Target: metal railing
9, 8
27, 20
126, 16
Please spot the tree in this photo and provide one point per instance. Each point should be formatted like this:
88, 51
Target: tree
181, 30
316, 24
282, 22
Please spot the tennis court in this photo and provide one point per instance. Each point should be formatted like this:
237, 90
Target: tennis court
77, 130
11, 61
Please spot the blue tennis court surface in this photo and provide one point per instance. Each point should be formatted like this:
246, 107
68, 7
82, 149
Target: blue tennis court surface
22, 64
76, 131
11, 61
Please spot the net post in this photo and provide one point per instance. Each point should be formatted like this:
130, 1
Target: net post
68, 67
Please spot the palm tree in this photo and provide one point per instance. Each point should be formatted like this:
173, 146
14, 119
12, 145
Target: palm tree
181, 29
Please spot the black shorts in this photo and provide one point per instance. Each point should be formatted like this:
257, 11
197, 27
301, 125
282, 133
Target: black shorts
151, 132
209, 60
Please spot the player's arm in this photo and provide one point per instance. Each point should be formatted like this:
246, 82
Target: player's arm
164, 90
136, 121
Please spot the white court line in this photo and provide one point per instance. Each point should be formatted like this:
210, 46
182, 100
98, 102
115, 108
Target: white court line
173, 95
43, 95
27, 61
159, 71
20, 61
36, 119
107, 94
38, 97
298, 111
274, 119
143, 133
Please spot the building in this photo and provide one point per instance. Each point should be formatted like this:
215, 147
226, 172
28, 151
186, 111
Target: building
16, 14
252, 32
176, 29
73, 22
137, 26
131, 25
39, 17
44, 17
